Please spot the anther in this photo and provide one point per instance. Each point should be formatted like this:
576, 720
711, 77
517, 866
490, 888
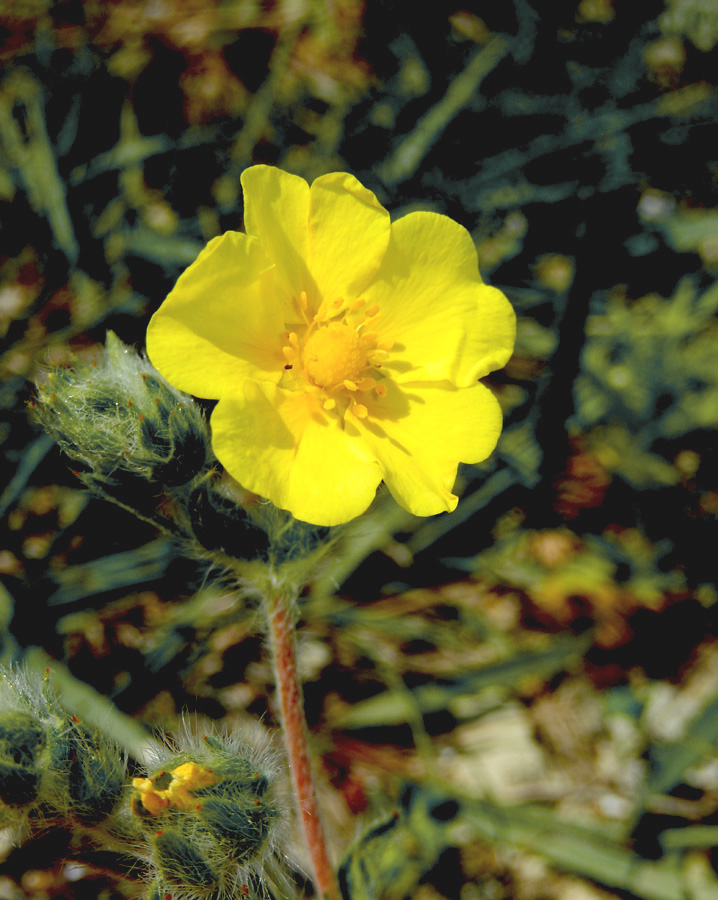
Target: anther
289, 354
330, 404
360, 411
385, 345
371, 310
294, 340
338, 302
369, 339
381, 390
349, 385
357, 304
303, 299
366, 383
379, 354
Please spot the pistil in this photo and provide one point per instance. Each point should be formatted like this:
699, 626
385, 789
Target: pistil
335, 356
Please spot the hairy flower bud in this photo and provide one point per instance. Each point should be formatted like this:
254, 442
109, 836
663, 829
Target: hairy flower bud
52, 766
118, 416
214, 818
91, 769
21, 739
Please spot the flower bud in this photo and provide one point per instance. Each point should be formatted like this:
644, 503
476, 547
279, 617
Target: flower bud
21, 740
118, 417
214, 818
53, 766
90, 769
218, 522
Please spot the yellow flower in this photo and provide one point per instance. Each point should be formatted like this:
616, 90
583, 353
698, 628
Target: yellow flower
343, 349
180, 783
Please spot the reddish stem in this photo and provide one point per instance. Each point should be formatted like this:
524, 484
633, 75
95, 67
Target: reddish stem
281, 626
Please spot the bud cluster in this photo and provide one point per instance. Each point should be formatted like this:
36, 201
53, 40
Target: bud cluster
213, 821
52, 766
209, 818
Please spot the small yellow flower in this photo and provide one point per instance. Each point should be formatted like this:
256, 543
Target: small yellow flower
178, 792
343, 349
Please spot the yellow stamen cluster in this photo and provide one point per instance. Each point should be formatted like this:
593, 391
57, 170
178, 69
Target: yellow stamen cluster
335, 352
334, 355
185, 778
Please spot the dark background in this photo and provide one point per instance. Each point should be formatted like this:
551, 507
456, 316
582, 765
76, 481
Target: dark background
576, 142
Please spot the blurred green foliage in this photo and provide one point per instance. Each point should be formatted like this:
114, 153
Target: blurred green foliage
543, 659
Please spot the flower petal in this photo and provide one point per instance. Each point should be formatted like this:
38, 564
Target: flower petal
349, 234
222, 321
276, 210
420, 433
446, 324
284, 446
489, 342
328, 240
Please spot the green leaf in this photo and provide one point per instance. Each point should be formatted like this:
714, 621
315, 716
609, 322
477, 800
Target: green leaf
392, 708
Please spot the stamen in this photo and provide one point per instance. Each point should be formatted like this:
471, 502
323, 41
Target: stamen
303, 299
371, 310
366, 383
330, 403
349, 385
379, 354
289, 354
381, 390
357, 304
385, 345
293, 339
369, 339
338, 302
360, 410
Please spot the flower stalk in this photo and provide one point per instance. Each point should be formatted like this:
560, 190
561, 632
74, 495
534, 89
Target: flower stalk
280, 618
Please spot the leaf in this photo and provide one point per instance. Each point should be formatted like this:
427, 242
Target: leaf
671, 760
393, 708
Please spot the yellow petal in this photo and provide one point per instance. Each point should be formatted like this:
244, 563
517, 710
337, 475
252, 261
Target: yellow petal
420, 433
489, 342
276, 210
349, 235
283, 445
222, 322
445, 323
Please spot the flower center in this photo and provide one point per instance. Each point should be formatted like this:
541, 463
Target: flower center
174, 788
333, 354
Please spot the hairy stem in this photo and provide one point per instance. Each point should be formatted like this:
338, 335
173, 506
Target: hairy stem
281, 629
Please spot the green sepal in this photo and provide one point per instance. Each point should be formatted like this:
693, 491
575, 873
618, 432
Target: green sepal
21, 738
179, 862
